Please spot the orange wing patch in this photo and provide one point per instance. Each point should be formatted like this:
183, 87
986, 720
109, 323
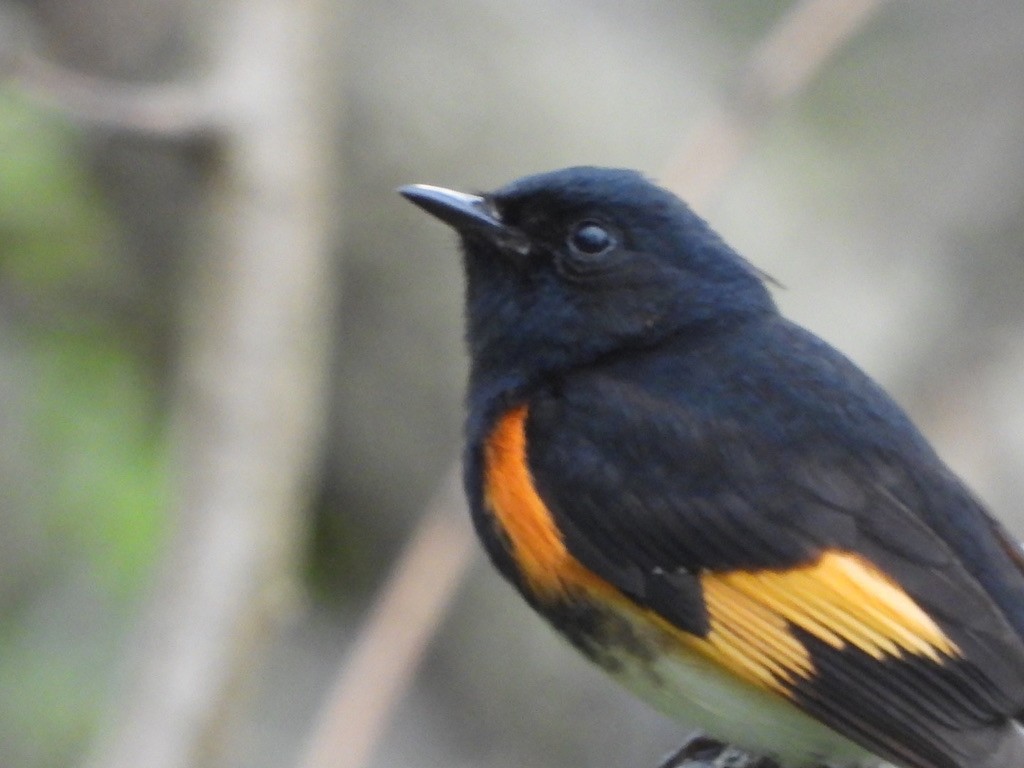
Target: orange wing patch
750, 638
841, 598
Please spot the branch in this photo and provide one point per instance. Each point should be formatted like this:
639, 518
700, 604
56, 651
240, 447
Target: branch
780, 67
703, 752
168, 111
394, 637
249, 405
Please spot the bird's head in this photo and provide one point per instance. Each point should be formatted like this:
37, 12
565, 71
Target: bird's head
566, 267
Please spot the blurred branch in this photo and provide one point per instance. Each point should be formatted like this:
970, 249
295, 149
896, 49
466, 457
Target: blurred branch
249, 405
392, 641
784, 62
180, 111
172, 111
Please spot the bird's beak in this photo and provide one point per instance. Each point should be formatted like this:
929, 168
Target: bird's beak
466, 213
457, 209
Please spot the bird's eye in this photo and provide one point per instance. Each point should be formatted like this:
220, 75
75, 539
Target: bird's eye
591, 239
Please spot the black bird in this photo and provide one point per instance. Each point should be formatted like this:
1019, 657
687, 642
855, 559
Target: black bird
713, 504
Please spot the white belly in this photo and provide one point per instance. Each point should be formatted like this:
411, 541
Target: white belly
695, 692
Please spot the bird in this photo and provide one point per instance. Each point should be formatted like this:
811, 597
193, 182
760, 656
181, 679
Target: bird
711, 503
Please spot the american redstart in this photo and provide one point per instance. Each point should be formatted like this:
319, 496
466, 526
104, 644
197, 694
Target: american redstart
713, 504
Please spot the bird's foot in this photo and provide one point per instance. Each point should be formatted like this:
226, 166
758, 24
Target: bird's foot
696, 750
700, 751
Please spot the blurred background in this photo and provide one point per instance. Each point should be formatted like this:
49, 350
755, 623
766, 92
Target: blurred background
230, 356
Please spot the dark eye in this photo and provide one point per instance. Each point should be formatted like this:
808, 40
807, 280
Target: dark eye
591, 239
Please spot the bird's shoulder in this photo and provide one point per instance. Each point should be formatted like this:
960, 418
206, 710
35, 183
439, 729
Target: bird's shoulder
766, 452
767, 443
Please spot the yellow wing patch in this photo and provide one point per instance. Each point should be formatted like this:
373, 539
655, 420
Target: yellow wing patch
750, 638
841, 598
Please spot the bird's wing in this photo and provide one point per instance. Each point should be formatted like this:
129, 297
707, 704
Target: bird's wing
803, 569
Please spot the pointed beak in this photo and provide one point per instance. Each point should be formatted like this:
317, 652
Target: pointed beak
456, 209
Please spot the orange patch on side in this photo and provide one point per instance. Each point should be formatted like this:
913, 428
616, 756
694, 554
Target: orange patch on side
747, 638
537, 545
841, 599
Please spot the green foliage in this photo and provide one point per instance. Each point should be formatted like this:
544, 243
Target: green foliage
95, 423
88, 474
52, 224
